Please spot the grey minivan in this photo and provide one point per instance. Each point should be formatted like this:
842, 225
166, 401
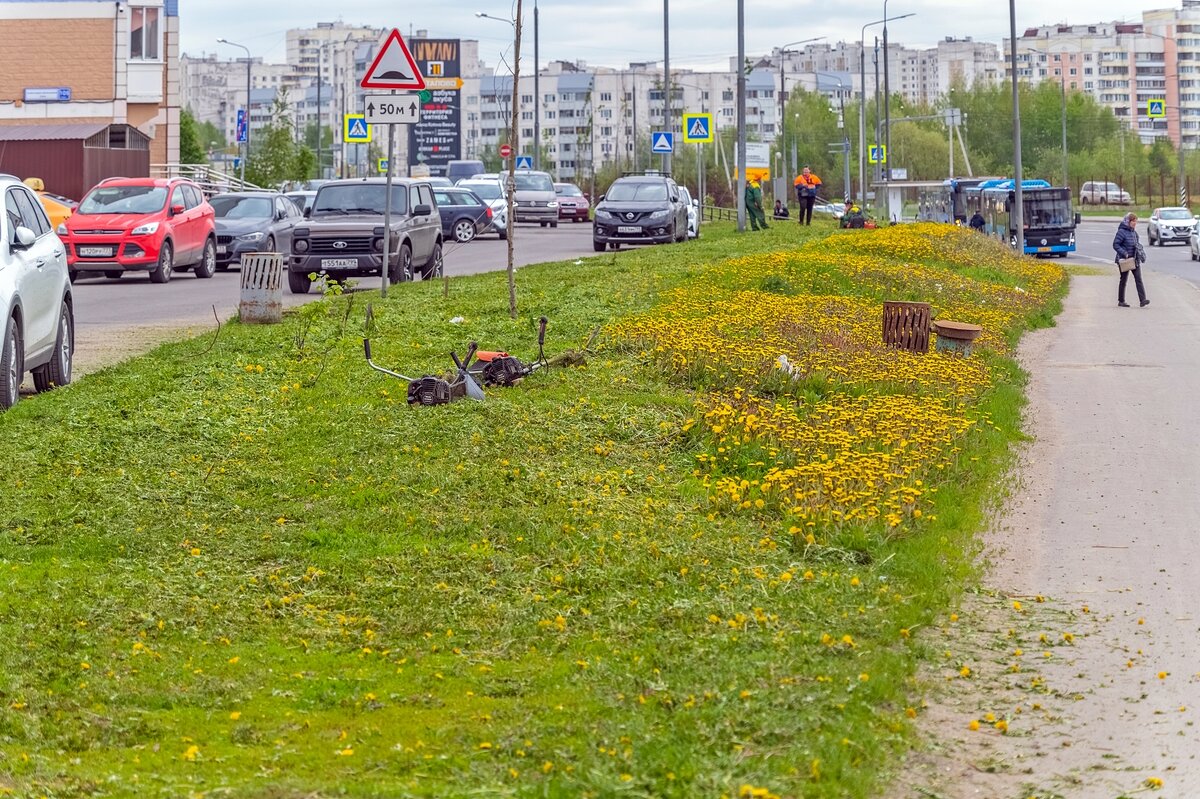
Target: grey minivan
534, 198
460, 170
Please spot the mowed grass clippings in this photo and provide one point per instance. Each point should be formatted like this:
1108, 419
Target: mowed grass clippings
253, 570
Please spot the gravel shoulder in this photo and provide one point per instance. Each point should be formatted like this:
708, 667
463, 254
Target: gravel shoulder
1085, 642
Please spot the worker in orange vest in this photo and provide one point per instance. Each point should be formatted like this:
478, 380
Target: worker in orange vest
807, 184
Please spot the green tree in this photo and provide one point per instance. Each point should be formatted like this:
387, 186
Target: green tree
304, 167
210, 137
273, 157
191, 150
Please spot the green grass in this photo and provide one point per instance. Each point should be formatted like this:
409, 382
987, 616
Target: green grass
217, 586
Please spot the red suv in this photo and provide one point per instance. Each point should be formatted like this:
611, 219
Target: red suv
153, 225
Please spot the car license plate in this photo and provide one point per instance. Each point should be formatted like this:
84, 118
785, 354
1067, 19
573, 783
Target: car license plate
1043, 249
628, 229
222, 249
94, 252
339, 263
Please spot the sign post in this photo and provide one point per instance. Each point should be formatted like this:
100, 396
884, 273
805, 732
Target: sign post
698, 130
393, 69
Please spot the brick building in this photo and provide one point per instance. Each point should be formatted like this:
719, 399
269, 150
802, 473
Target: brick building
93, 61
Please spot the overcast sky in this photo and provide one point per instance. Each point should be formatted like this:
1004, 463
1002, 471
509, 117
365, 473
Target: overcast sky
615, 32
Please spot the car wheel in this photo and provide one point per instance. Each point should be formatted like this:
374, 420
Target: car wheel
58, 371
503, 234
113, 274
208, 261
270, 244
402, 271
464, 231
434, 267
162, 272
541, 224
12, 371
598, 246
298, 282
553, 224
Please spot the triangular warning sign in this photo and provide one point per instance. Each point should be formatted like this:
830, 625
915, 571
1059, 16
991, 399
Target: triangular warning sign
393, 67
699, 129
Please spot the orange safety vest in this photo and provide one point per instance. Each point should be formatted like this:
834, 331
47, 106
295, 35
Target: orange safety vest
811, 181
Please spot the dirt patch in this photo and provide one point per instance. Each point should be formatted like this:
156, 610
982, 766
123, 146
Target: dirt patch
101, 346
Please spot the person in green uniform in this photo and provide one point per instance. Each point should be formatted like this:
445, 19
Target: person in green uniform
754, 206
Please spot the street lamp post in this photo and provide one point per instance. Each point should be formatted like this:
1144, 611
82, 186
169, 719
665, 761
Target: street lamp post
783, 87
862, 102
846, 188
1018, 187
246, 156
1178, 107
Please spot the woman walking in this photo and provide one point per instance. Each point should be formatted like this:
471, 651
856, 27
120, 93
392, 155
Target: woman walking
1130, 257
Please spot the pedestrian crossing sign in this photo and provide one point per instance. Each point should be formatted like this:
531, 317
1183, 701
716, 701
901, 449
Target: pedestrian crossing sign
662, 142
877, 154
697, 128
1156, 109
383, 166
355, 129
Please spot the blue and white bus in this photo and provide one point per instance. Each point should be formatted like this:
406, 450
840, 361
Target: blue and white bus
1050, 220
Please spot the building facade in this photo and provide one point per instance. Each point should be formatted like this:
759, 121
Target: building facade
114, 62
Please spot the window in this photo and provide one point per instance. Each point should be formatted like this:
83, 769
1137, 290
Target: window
143, 34
194, 200
606, 97
178, 198
26, 211
526, 98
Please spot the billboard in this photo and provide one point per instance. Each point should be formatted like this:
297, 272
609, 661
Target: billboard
437, 139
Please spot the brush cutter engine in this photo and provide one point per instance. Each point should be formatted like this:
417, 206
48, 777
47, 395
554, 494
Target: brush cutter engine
428, 390
504, 371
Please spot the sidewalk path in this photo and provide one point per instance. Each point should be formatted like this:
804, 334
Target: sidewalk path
1104, 523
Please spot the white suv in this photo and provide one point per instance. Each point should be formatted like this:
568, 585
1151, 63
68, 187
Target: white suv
35, 292
1102, 193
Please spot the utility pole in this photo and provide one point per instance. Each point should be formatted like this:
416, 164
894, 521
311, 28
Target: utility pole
537, 95
1018, 193
666, 159
510, 188
741, 115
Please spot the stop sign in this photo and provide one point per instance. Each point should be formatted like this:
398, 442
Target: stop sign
505, 150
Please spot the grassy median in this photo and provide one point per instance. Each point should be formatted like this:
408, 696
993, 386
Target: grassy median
247, 568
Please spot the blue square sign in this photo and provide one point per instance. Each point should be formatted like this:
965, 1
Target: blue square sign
662, 142
524, 162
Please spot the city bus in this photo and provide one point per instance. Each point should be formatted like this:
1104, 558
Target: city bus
1050, 220
947, 203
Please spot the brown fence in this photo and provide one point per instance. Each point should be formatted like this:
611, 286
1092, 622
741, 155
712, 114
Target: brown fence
1146, 191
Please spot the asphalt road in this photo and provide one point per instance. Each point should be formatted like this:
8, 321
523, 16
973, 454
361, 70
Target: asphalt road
1094, 242
117, 319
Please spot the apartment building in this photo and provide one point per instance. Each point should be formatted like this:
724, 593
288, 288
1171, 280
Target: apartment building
109, 62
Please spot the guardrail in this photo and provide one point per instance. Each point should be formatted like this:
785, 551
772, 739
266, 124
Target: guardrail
211, 181
713, 213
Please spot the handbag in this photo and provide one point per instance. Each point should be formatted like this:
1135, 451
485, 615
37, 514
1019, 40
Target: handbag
1125, 264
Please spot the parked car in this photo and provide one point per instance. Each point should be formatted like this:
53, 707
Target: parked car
693, 212
252, 221
639, 209
1098, 192
462, 170
464, 214
57, 207
155, 225
35, 291
1170, 224
535, 200
491, 191
571, 202
303, 200
343, 235
439, 182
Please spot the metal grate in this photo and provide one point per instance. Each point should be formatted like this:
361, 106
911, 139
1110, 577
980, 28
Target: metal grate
352, 245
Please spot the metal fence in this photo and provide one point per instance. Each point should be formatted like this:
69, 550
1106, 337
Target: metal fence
1147, 191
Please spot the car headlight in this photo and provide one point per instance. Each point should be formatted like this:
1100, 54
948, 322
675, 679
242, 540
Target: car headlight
144, 230
602, 214
255, 236
300, 245
660, 215
61, 229
552, 204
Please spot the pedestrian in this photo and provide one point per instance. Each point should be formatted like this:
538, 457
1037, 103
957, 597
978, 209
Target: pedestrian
807, 185
977, 222
1130, 257
781, 210
754, 206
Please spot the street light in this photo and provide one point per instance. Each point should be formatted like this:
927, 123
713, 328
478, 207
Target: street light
537, 95
1178, 105
783, 86
862, 101
1062, 71
847, 191
245, 157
